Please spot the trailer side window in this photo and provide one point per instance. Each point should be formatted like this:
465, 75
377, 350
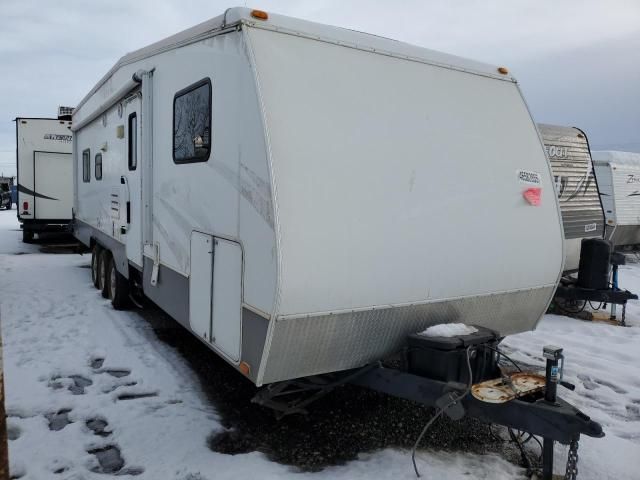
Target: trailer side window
133, 141
98, 166
192, 123
86, 165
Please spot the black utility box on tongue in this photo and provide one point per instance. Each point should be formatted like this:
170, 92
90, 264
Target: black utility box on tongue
445, 358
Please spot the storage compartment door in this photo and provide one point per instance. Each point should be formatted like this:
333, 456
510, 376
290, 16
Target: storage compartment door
52, 185
227, 298
200, 283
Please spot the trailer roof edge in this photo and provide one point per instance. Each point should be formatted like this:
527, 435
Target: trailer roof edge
232, 17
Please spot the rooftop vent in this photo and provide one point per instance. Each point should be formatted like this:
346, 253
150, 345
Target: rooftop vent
64, 113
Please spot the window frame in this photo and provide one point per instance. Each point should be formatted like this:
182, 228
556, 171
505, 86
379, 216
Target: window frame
95, 166
132, 166
86, 166
180, 93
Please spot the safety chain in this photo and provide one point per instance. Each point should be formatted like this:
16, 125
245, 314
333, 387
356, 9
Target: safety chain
572, 461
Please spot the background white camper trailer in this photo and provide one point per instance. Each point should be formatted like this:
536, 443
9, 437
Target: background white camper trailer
45, 173
582, 216
302, 197
618, 175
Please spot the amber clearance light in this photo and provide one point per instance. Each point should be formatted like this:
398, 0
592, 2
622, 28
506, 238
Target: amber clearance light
259, 14
245, 368
503, 70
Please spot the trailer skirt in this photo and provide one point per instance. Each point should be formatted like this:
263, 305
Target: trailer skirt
313, 345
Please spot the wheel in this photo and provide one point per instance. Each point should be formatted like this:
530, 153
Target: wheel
95, 265
118, 287
27, 236
103, 268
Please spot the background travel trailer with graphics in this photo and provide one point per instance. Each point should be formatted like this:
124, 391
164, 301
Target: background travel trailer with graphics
45, 173
582, 216
618, 176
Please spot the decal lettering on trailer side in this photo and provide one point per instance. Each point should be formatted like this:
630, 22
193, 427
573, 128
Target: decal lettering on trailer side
58, 138
631, 178
529, 178
554, 151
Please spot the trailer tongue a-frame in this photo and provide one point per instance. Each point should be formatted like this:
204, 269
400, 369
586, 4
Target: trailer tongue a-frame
597, 281
461, 376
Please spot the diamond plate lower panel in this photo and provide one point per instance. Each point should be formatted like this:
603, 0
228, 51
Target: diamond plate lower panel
313, 345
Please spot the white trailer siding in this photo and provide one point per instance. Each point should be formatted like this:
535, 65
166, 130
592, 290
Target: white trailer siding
626, 188
228, 196
605, 187
351, 196
394, 161
44, 167
618, 175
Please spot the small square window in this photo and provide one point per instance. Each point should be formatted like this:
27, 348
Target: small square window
192, 123
86, 165
98, 166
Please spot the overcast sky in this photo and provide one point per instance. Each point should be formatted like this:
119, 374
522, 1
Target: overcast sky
577, 61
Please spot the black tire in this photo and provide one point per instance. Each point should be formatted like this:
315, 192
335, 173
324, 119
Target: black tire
103, 269
95, 265
27, 236
118, 287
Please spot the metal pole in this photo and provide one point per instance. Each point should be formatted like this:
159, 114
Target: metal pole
553, 355
4, 450
614, 276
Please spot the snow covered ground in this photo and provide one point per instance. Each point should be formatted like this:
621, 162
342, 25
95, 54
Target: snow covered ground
86, 385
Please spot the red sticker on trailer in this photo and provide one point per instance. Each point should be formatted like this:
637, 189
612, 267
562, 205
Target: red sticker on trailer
533, 196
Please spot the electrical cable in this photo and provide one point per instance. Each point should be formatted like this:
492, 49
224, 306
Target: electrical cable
441, 411
523, 454
572, 312
532, 436
595, 308
500, 352
520, 444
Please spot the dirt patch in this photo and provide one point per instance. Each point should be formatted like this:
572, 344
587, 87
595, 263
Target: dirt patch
58, 420
134, 396
98, 426
109, 459
349, 421
96, 363
118, 373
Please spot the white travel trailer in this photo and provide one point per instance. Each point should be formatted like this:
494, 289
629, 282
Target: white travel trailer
302, 197
45, 173
570, 158
618, 175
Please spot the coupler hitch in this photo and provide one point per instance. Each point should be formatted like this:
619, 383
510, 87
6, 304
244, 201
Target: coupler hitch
532, 408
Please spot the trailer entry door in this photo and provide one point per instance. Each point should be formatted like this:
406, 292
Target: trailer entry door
134, 184
52, 185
